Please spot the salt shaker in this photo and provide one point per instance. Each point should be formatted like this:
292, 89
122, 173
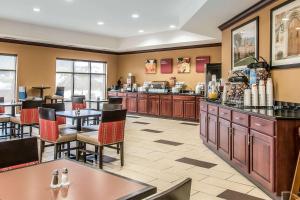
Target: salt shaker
55, 180
65, 177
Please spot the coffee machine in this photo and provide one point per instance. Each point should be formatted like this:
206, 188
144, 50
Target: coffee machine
129, 83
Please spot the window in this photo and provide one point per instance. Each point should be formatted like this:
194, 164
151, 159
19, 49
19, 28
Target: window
8, 76
81, 78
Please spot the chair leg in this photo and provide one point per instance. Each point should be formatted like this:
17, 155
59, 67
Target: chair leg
118, 148
68, 147
77, 150
96, 157
30, 131
55, 151
122, 153
101, 157
84, 153
59, 150
5, 129
22, 130
42, 145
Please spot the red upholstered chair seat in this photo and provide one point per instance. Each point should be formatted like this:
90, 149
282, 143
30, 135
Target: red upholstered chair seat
2, 109
76, 106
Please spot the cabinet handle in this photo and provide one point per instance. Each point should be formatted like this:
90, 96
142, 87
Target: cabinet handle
238, 118
222, 113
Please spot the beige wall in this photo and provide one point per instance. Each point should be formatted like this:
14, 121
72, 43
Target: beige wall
135, 63
36, 65
286, 80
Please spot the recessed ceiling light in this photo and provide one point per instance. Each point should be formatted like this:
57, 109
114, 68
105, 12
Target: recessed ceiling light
69, 1
172, 26
285, 19
100, 23
141, 31
297, 28
135, 16
36, 9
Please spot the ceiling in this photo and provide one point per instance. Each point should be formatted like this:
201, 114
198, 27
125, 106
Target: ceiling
75, 22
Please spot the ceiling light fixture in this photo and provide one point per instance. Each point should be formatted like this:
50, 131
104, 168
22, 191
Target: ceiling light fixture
172, 26
141, 31
100, 23
69, 1
135, 16
298, 28
285, 19
36, 9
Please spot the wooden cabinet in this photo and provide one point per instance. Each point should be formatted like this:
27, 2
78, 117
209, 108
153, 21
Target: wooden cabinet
123, 95
240, 146
112, 94
189, 110
224, 138
212, 129
203, 126
142, 104
262, 159
197, 114
154, 105
178, 108
132, 103
166, 105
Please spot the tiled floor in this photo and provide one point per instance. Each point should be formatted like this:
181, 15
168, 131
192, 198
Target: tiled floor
155, 162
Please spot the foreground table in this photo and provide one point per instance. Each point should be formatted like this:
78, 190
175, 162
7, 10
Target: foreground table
13, 106
83, 114
32, 183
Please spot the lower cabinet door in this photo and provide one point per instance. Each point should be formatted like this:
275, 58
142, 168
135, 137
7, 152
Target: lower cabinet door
240, 147
154, 107
224, 138
142, 105
189, 110
262, 159
132, 105
212, 129
166, 108
178, 108
124, 103
203, 126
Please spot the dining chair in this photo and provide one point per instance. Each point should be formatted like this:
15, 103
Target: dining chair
22, 93
110, 133
181, 191
2, 108
115, 100
18, 153
53, 135
28, 116
58, 96
295, 191
57, 107
78, 102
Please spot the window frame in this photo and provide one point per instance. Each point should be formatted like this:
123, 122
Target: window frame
10, 70
73, 73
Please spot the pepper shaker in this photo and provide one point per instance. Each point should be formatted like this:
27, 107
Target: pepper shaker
55, 180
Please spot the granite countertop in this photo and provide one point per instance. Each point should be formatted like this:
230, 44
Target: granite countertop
273, 113
167, 93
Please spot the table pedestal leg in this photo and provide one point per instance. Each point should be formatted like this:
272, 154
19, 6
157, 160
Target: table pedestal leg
13, 111
78, 124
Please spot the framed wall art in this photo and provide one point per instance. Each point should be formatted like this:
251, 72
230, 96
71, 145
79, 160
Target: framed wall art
244, 43
201, 61
285, 35
183, 65
150, 66
166, 66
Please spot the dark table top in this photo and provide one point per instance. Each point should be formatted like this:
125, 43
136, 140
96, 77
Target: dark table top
83, 113
41, 87
7, 104
273, 113
33, 183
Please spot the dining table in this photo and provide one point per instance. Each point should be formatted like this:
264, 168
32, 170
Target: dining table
78, 115
85, 182
13, 106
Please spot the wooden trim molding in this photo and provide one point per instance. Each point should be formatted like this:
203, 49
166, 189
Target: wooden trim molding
40, 44
172, 48
246, 13
15, 41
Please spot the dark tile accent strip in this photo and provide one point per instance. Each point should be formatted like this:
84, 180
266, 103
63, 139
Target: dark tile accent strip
131, 116
191, 124
151, 131
233, 195
144, 123
168, 142
106, 159
197, 163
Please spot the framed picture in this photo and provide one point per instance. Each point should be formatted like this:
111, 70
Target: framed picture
150, 66
201, 61
285, 35
244, 43
183, 65
166, 66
